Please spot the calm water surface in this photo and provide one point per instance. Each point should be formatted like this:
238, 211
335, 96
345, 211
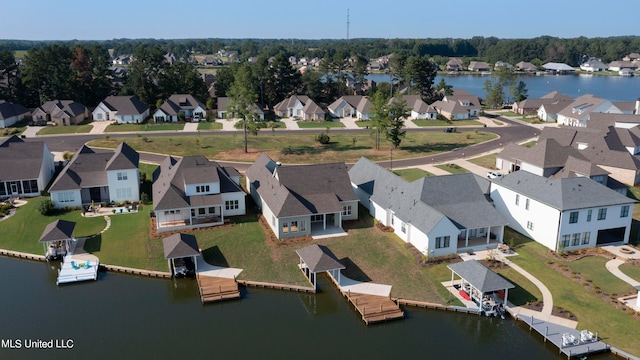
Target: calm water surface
122, 316
613, 88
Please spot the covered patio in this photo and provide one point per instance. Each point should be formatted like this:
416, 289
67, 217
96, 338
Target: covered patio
56, 239
315, 259
480, 285
180, 246
480, 239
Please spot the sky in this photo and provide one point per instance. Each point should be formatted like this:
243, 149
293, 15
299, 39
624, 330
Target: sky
324, 19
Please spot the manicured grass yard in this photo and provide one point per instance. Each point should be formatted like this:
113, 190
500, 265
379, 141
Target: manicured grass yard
488, 161
632, 271
15, 129
144, 127
452, 168
412, 174
299, 148
319, 124
71, 129
616, 328
363, 123
209, 126
443, 123
22, 231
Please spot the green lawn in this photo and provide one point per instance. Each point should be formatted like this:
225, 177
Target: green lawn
299, 148
412, 174
363, 123
593, 313
15, 129
443, 123
591, 268
209, 126
71, 129
22, 231
631, 271
319, 124
488, 161
144, 127
452, 168
529, 144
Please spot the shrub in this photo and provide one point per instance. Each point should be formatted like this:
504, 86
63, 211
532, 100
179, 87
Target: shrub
144, 197
45, 207
323, 138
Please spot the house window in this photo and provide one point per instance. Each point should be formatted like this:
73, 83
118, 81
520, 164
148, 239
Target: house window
212, 210
624, 211
315, 218
294, 226
575, 239
201, 211
586, 237
66, 197
573, 217
526, 204
517, 199
123, 193
346, 210
303, 225
122, 176
565, 241
3, 190
530, 225
403, 228
202, 188
29, 186
392, 219
602, 214
589, 215
99, 116
231, 205
442, 242
285, 227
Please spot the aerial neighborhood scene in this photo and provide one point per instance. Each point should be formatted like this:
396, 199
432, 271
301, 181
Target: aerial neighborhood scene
214, 190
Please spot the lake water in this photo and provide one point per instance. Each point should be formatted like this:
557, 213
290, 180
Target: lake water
122, 316
613, 88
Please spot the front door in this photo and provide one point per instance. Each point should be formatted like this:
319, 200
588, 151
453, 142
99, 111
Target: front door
94, 193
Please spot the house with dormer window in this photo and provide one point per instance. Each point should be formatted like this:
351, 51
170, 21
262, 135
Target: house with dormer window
194, 192
578, 112
189, 106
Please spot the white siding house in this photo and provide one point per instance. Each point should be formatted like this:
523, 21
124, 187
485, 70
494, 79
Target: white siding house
27, 167
122, 109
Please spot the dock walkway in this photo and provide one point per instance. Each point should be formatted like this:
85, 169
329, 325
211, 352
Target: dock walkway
216, 283
554, 333
78, 265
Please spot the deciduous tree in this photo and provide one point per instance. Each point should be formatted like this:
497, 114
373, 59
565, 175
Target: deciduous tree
242, 105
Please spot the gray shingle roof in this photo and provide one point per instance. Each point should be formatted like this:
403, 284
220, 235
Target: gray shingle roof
88, 168
301, 189
178, 102
169, 187
58, 230
125, 105
564, 193
21, 160
480, 277
319, 258
8, 110
180, 245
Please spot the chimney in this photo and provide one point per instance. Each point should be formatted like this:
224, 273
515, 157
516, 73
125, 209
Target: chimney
637, 110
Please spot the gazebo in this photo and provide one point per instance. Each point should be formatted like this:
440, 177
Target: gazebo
178, 246
56, 238
315, 259
478, 281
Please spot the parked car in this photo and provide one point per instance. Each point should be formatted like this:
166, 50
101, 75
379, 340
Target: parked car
38, 123
494, 175
450, 130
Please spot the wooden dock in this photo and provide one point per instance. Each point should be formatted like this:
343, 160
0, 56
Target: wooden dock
375, 308
213, 289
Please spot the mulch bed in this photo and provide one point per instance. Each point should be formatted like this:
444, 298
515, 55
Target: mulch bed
273, 240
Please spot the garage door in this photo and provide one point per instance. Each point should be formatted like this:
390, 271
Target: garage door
610, 235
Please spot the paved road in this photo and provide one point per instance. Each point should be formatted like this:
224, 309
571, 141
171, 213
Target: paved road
514, 133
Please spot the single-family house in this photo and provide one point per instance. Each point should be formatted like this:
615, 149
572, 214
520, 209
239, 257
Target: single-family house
632, 57
628, 107
300, 200
461, 105
11, 113
454, 65
563, 214
122, 109
479, 66
438, 215
531, 106
500, 64
357, 106
418, 108
190, 107
299, 107
194, 192
548, 112
578, 112
98, 177
224, 103
592, 65
27, 167
619, 65
61, 112
526, 67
